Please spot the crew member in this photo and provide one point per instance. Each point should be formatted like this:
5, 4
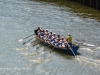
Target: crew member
36, 31
69, 39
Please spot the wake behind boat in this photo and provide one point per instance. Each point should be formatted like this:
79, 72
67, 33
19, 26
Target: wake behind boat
55, 41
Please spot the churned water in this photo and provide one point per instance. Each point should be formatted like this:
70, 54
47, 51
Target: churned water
19, 18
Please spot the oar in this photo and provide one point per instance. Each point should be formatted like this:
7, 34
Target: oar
26, 37
83, 43
47, 47
88, 45
36, 44
52, 49
28, 44
27, 41
39, 46
70, 49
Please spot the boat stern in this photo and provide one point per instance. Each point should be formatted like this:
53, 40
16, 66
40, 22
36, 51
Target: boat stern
75, 49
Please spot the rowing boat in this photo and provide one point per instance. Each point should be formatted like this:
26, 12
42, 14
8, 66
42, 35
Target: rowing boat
68, 50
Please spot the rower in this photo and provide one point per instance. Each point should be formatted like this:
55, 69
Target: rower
36, 31
58, 37
56, 42
46, 38
60, 43
46, 32
50, 34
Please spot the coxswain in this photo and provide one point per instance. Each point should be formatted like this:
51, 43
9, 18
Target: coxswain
69, 39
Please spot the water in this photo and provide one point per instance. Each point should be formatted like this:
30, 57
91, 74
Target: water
19, 18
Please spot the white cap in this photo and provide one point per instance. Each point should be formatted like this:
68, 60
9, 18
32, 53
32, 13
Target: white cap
68, 33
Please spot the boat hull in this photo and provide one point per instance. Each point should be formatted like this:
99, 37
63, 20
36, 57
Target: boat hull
70, 50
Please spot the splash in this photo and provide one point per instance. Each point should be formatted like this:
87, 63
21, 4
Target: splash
38, 61
28, 44
33, 54
88, 61
98, 48
19, 49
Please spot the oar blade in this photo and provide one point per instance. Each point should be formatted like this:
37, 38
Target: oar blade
20, 40
88, 45
24, 43
37, 48
33, 45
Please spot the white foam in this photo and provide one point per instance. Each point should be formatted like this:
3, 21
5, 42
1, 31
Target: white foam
90, 45
98, 48
28, 44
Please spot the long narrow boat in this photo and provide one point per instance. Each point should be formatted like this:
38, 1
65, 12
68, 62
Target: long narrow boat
68, 50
